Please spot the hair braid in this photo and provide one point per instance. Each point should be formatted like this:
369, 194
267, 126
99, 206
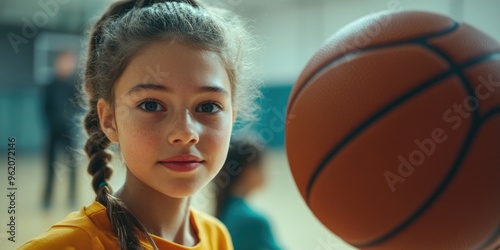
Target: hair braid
95, 147
123, 222
121, 219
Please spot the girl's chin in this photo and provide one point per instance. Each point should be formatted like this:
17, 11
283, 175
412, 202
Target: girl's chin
180, 192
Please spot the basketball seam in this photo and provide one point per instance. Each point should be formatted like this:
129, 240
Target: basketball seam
388, 108
490, 239
455, 70
456, 166
492, 112
450, 29
413, 40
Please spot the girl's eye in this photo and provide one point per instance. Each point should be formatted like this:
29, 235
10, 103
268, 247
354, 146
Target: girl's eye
151, 106
209, 107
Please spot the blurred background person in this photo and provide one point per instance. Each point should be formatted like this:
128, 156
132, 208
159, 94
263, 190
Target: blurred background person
59, 110
241, 176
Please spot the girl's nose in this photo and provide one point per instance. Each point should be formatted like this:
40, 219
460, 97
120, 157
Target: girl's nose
184, 130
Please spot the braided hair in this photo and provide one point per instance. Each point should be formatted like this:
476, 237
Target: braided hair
115, 38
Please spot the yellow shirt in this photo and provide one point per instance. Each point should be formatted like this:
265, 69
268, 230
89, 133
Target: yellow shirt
90, 228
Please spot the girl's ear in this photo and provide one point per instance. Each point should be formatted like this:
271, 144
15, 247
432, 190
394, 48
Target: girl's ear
107, 120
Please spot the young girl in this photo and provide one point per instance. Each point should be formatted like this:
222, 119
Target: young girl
163, 80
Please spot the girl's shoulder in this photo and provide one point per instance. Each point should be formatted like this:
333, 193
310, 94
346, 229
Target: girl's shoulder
211, 230
204, 217
87, 229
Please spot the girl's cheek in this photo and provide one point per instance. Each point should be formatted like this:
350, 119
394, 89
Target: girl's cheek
147, 133
219, 133
218, 142
139, 131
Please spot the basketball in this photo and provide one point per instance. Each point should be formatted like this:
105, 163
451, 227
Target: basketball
393, 133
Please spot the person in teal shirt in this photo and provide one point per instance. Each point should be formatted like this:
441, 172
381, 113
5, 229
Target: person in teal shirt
241, 175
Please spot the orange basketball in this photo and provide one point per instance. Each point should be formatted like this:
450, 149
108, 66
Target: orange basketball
393, 133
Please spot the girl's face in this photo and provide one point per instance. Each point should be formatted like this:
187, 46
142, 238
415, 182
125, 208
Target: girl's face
172, 117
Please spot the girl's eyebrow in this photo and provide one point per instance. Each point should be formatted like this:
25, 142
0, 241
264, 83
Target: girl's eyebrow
148, 86
159, 87
213, 89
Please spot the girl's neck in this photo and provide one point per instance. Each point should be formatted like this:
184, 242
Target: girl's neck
164, 216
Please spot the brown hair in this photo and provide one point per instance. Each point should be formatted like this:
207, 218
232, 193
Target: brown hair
125, 28
242, 154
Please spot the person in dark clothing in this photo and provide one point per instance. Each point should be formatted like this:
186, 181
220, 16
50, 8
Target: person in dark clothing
241, 175
60, 109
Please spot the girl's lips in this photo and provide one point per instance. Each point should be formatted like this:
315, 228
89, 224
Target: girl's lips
184, 166
182, 163
183, 158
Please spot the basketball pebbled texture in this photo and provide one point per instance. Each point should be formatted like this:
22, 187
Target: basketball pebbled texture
377, 142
